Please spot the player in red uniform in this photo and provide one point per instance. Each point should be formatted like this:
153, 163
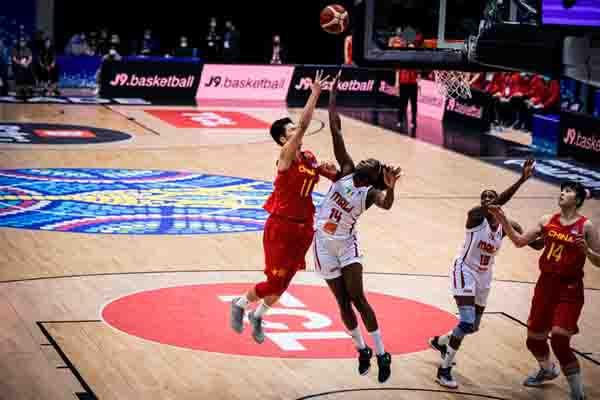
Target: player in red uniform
569, 239
289, 229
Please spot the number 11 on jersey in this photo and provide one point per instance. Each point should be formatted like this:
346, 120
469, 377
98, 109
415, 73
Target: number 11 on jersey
307, 187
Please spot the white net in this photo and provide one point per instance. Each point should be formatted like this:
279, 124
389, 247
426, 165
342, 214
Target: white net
453, 84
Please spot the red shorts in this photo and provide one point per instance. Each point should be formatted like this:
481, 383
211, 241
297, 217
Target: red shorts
285, 243
556, 303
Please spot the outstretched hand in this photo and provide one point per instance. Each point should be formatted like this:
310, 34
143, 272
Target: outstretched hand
528, 169
391, 175
319, 82
497, 212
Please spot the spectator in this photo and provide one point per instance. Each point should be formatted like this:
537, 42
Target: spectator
103, 42
3, 69
545, 98
183, 50
47, 71
114, 44
231, 43
348, 50
149, 46
277, 52
213, 40
93, 43
78, 45
22, 68
397, 41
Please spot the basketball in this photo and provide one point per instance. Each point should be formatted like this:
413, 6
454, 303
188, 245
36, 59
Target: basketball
334, 19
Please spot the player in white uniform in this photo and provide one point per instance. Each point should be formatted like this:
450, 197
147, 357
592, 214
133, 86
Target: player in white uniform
471, 272
338, 258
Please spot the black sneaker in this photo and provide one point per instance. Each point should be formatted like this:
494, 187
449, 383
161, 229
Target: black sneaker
444, 378
364, 360
384, 362
435, 344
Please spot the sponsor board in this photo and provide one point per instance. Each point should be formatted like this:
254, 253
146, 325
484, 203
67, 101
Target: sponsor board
244, 82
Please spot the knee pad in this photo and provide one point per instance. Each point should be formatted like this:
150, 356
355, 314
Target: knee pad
561, 346
539, 348
466, 325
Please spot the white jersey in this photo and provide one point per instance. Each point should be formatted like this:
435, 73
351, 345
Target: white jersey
340, 209
480, 248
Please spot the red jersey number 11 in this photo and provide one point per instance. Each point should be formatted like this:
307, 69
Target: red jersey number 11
307, 187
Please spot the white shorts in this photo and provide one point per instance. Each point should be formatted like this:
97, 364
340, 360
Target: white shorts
331, 255
466, 282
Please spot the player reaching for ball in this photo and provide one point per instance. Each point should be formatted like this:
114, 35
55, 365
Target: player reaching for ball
289, 229
471, 273
570, 239
337, 254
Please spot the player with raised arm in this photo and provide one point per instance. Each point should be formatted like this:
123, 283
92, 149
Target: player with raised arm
472, 272
570, 239
338, 258
290, 227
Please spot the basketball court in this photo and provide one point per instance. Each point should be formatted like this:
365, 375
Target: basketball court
119, 287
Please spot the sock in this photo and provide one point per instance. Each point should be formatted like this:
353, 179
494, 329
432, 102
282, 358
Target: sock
357, 338
376, 335
242, 301
261, 310
447, 362
576, 384
445, 340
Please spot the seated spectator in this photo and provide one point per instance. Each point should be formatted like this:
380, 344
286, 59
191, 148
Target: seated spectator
93, 43
23, 70
47, 71
78, 45
149, 46
183, 50
544, 98
397, 41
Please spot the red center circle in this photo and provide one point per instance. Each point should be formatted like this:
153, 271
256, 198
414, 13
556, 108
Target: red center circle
304, 324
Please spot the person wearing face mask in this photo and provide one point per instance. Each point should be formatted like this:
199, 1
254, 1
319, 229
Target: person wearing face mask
103, 42
110, 56
277, 52
212, 43
23, 70
47, 71
183, 49
231, 43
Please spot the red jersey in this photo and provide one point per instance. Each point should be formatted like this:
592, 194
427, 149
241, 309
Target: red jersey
292, 197
561, 256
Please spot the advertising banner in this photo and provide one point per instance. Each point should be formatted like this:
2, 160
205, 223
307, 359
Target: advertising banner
579, 137
151, 80
244, 82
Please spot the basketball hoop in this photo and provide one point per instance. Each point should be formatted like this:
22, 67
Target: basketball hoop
453, 84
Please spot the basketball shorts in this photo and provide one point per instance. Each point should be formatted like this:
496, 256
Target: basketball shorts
556, 303
285, 243
331, 255
466, 282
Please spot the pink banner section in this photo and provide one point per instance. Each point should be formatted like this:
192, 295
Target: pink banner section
244, 82
430, 101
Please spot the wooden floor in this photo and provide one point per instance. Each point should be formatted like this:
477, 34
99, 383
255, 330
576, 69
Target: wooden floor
54, 344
